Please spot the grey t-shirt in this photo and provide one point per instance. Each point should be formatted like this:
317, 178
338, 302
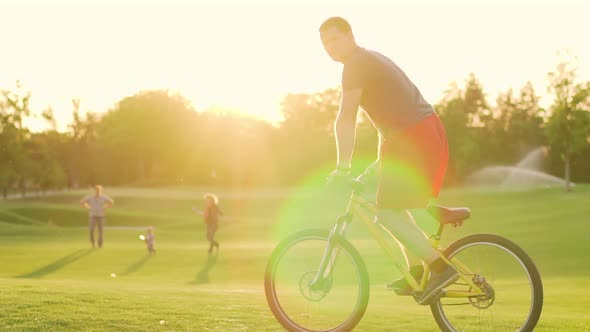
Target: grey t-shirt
96, 204
390, 99
150, 239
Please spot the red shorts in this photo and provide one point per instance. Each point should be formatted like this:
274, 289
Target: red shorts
413, 165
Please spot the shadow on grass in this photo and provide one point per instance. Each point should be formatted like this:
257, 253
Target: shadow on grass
57, 265
203, 275
136, 266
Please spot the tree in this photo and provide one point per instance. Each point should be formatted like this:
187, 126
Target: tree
475, 103
10, 150
306, 136
17, 101
568, 127
465, 113
26, 160
46, 171
311, 113
14, 108
519, 123
149, 135
234, 149
78, 150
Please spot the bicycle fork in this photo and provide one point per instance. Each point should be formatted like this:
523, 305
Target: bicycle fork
324, 274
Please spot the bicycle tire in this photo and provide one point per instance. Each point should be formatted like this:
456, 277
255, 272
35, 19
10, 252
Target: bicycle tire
271, 292
525, 261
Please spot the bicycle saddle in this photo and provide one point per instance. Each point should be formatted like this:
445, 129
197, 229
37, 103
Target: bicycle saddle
449, 215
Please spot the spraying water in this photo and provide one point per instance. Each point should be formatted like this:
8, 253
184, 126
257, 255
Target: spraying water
526, 173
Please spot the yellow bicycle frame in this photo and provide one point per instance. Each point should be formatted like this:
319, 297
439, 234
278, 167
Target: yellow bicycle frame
366, 211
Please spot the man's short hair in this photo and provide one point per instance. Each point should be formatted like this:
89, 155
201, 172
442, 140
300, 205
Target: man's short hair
336, 22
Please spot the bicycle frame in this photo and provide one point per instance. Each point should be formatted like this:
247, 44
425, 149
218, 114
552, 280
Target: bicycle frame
366, 211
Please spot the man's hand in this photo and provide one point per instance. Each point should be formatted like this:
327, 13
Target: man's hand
338, 176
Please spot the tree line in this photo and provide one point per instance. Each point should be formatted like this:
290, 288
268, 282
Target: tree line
157, 138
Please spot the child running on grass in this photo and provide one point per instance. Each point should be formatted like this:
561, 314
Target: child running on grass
211, 215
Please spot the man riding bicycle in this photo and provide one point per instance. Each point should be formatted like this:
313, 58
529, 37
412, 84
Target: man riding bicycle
413, 151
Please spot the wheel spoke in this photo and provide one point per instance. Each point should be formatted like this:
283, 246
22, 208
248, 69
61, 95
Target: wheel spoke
510, 282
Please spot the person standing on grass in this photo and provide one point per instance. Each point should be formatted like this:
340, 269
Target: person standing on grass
211, 215
150, 241
96, 205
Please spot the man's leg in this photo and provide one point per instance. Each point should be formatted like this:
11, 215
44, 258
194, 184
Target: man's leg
408, 235
411, 259
411, 237
413, 168
100, 224
91, 225
414, 264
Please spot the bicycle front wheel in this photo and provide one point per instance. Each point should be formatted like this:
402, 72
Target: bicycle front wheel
511, 292
336, 303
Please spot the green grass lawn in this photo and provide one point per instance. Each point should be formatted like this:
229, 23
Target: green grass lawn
52, 281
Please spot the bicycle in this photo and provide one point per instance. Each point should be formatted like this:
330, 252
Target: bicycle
499, 287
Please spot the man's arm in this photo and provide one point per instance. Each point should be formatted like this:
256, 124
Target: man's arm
110, 202
371, 172
345, 126
84, 203
376, 163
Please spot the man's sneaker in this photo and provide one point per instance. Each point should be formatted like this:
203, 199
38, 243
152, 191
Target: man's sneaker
437, 282
401, 286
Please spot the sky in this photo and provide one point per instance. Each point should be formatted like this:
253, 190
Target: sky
247, 55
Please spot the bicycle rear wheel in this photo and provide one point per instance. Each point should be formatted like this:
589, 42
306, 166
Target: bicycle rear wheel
336, 304
512, 285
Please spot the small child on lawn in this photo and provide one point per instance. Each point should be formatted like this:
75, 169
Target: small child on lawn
150, 240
